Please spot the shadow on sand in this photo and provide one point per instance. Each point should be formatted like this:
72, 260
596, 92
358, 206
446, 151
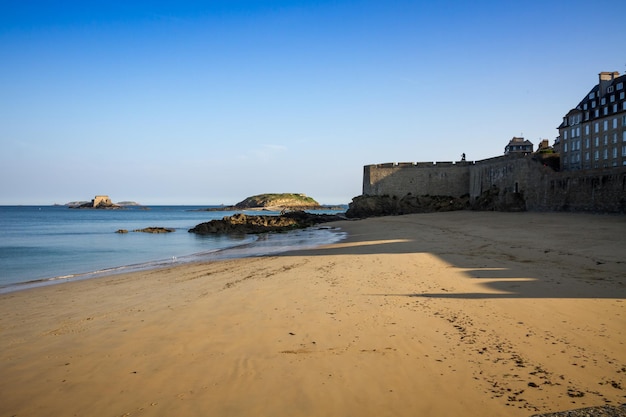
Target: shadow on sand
512, 268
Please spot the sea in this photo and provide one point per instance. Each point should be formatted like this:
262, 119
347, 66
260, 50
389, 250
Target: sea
44, 245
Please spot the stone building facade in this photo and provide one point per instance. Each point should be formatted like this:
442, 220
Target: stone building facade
593, 134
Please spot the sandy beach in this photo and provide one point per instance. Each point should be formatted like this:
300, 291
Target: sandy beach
443, 314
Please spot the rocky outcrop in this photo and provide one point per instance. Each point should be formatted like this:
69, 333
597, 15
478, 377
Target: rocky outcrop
242, 224
372, 206
492, 199
495, 199
155, 230
598, 411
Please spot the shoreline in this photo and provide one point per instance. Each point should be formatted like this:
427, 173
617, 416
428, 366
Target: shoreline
509, 314
258, 245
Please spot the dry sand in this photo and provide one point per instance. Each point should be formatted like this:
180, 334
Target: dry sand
445, 314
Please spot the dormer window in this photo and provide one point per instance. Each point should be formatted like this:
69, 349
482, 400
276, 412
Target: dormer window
592, 95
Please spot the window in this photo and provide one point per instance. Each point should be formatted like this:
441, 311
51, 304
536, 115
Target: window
624, 136
586, 129
615, 108
603, 101
596, 127
614, 152
621, 95
597, 142
612, 98
609, 89
595, 156
565, 147
615, 123
585, 106
624, 150
578, 130
620, 86
624, 120
593, 104
605, 111
592, 95
587, 143
606, 140
565, 135
605, 125
605, 154
587, 156
615, 137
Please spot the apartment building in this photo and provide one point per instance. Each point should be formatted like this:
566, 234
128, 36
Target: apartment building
593, 134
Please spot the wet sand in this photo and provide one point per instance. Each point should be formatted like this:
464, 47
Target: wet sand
462, 313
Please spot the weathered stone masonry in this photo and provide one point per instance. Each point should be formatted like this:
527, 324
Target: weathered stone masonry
541, 188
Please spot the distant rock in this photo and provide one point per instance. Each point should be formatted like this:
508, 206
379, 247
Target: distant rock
155, 230
74, 204
242, 224
148, 230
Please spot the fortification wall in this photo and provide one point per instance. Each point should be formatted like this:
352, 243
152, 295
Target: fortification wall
512, 177
418, 178
599, 190
101, 199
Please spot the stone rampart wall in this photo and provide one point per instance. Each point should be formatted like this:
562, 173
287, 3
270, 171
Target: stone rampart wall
541, 188
416, 178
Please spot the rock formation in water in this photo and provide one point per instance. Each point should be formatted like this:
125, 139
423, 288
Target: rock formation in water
242, 223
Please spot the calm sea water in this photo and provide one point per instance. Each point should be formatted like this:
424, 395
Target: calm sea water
45, 244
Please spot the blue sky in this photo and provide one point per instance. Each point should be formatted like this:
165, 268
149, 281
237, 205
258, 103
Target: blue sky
208, 102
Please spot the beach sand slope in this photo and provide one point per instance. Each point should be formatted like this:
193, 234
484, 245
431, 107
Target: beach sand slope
461, 313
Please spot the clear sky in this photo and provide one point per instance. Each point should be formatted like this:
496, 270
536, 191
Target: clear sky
209, 102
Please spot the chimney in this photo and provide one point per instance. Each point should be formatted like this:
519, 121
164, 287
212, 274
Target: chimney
606, 79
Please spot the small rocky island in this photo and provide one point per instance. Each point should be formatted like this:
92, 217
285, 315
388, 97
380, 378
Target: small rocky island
99, 202
276, 202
